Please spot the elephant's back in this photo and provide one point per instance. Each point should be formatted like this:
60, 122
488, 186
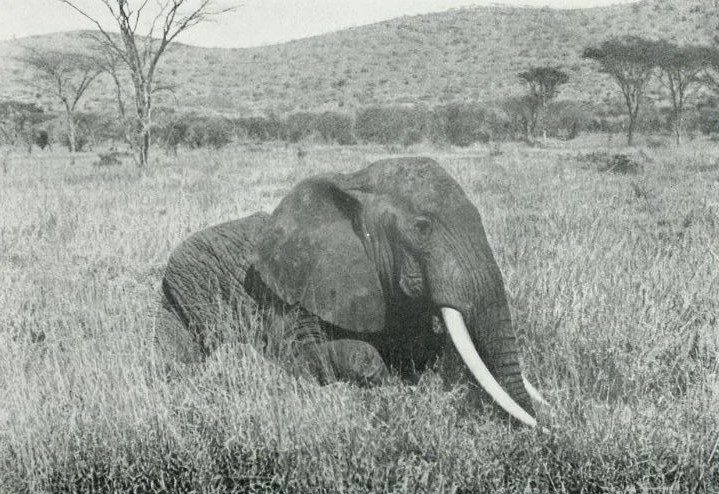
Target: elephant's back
228, 245
211, 264
231, 243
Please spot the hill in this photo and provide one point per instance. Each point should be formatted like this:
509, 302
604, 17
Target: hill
468, 54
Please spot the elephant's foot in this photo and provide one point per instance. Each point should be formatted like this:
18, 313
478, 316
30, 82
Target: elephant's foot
343, 360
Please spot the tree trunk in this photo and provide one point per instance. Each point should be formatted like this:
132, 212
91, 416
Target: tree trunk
5, 158
630, 132
71, 133
144, 107
632, 99
632, 124
145, 146
678, 125
528, 131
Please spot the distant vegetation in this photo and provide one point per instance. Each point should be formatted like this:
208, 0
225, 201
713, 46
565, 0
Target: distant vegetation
459, 124
136, 53
633, 63
474, 80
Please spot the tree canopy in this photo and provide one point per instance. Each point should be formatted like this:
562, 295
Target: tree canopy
543, 83
66, 75
630, 61
681, 69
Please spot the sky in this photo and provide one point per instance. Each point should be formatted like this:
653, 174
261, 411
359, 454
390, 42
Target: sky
254, 22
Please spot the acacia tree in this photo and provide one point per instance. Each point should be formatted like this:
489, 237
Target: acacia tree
681, 69
66, 75
543, 83
630, 61
143, 40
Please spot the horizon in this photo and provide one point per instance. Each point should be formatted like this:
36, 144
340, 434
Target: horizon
257, 22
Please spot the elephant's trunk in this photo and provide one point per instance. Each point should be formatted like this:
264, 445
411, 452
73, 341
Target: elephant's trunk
467, 287
457, 330
494, 336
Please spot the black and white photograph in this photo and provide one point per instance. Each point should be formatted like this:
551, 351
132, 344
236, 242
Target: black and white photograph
359, 246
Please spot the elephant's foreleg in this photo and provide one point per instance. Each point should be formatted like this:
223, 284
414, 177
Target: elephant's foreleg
343, 360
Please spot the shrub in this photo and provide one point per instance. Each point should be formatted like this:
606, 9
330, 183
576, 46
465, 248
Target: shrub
595, 160
96, 128
260, 129
194, 131
81, 140
520, 112
566, 119
41, 139
299, 126
620, 163
111, 158
220, 132
392, 124
464, 123
330, 127
704, 119
18, 121
652, 119
214, 132
172, 134
336, 127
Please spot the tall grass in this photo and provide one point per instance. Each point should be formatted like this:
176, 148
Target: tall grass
612, 281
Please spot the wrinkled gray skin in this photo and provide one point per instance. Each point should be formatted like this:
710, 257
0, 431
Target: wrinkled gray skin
368, 259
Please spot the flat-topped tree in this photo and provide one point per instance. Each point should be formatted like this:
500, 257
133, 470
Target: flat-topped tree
65, 75
543, 84
681, 71
630, 61
146, 30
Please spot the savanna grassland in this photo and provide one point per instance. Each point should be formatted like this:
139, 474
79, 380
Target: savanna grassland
612, 279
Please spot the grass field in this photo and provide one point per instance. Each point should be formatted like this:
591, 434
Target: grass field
613, 283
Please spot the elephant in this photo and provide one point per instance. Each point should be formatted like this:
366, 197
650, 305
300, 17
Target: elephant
389, 267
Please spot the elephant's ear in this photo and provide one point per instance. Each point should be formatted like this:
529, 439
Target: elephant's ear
311, 254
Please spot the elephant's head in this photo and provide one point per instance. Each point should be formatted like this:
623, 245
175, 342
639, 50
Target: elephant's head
347, 246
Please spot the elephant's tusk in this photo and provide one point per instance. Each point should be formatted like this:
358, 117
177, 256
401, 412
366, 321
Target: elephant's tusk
460, 337
532, 391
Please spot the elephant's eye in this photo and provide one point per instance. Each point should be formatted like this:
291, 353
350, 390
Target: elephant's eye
423, 225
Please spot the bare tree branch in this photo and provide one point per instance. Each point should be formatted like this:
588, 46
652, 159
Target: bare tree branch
141, 54
93, 20
138, 13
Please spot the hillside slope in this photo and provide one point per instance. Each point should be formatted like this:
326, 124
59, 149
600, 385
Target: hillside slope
470, 54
